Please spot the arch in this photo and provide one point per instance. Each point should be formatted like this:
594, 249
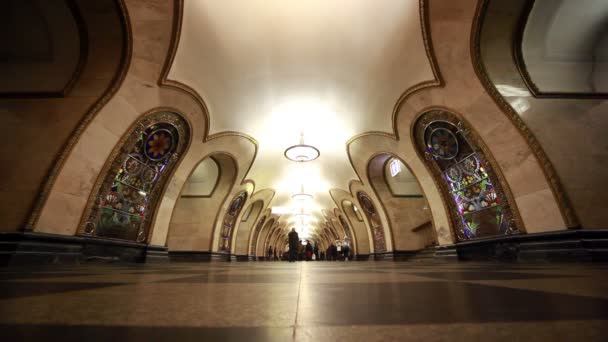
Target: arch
45, 47
561, 48
124, 200
255, 235
261, 236
64, 108
405, 206
245, 228
479, 204
359, 228
252, 212
192, 219
203, 180
376, 226
349, 233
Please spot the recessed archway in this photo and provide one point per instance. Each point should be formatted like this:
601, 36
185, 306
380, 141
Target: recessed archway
198, 206
403, 201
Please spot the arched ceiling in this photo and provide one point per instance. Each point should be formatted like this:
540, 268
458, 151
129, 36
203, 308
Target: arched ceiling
271, 69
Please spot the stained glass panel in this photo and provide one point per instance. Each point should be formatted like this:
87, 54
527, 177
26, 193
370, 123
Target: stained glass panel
132, 185
467, 177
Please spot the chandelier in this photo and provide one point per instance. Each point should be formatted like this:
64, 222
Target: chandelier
301, 215
302, 152
302, 196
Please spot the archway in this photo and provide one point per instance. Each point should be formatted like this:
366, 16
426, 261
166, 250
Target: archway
478, 203
403, 201
230, 220
197, 208
248, 220
124, 200
376, 226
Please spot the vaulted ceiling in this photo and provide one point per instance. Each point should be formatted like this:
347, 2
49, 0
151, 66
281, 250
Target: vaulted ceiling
272, 69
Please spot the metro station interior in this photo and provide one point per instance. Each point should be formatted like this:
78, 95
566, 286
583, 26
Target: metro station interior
444, 165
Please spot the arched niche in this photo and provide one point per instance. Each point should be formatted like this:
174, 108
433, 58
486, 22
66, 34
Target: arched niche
196, 209
255, 234
349, 233
203, 181
260, 236
126, 196
562, 47
375, 223
230, 221
353, 216
403, 201
249, 217
458, 160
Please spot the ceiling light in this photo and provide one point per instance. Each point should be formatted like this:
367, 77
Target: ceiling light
302, 152
302, 195
302, 216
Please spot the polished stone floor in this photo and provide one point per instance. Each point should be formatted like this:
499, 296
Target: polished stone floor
314, 301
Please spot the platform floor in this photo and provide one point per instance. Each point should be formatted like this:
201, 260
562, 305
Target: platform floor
306, 301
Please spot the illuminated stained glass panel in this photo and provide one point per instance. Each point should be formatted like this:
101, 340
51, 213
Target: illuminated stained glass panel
230, 220
479, 205
133, 184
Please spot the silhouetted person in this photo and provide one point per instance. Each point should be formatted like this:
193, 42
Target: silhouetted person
269, 253
334, 252
315, 250
309, 251
346, 252
294, 242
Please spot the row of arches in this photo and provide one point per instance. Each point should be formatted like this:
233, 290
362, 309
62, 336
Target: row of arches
475, 172
123, 203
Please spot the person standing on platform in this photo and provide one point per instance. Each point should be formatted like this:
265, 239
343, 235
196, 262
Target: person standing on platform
309, 251
294, 242
315, 250
269, 253
346, 251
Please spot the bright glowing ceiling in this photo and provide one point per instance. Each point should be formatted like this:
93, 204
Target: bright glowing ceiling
274, 68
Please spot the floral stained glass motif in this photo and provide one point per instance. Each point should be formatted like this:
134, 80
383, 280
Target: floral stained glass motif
374, 220
443, 143
480, 206
230, 220
131, 187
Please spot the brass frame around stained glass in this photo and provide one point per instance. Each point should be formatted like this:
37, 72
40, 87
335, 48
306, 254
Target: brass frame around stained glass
230, 220
508, 215
376, 226
111, 177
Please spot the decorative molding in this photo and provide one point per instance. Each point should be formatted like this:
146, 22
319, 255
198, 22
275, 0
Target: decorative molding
442, 114
164, 81
108, 94
563, 201
114, 163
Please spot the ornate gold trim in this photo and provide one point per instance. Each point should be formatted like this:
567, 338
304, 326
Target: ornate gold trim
108, 94
566, 209
110, 160
502, 188
164, 81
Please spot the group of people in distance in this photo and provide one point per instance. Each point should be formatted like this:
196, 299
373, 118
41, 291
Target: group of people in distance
308, 252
